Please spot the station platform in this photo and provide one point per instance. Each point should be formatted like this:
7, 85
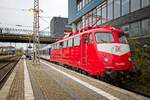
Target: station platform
48, 81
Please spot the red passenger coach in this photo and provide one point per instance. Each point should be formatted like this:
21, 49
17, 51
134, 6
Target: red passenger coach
99, 51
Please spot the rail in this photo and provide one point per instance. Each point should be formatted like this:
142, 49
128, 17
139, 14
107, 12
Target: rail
6, 69
18, 31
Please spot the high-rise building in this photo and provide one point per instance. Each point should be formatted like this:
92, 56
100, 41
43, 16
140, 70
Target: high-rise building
133, 16
58, 26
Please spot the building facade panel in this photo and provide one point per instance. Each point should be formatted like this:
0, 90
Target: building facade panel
58, 26
75, 11
130, 15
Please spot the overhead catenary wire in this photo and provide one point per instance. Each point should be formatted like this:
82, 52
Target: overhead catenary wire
15, 9
19, 25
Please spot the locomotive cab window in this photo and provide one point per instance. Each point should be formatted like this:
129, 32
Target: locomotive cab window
77, 41
122, 38
104, 37
54, 46
60, 44
70, 42
57, 46
65, 44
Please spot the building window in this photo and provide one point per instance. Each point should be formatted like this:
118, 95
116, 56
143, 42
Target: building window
81, 4
135, 29
116, 8
145, 3
79, 25
103, 13
77, 41
125, 7
77, 7
110, 10
99, 14
90, 19
84, 21
135, 5
84, 1
146, 27
94, 15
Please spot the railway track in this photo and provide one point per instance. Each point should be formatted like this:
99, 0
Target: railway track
2, 58
116, 84
137, 92
6, 66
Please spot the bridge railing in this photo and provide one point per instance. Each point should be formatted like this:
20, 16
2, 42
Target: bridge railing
21, 31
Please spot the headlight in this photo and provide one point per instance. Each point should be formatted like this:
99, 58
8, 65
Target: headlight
129, 59
105, 59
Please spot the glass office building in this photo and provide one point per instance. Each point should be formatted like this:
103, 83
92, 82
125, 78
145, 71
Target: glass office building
133, 16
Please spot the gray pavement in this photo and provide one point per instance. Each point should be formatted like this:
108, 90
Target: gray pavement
48, 81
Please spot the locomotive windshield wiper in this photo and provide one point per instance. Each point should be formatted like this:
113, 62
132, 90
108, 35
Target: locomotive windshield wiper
103, 40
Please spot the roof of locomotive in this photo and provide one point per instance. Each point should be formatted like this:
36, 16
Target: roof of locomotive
89, 30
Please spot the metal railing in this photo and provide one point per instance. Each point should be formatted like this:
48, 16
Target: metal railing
21, 31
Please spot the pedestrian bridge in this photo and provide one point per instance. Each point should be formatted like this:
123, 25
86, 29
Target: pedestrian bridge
23, 36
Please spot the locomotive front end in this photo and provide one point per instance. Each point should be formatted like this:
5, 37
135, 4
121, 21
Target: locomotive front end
114, 53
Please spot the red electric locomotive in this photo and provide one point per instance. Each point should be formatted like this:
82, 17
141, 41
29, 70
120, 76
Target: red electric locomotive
100, 51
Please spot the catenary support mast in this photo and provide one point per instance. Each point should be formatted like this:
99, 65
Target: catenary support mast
36, 42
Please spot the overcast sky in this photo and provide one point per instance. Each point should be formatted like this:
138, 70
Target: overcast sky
12, 11
15, 12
